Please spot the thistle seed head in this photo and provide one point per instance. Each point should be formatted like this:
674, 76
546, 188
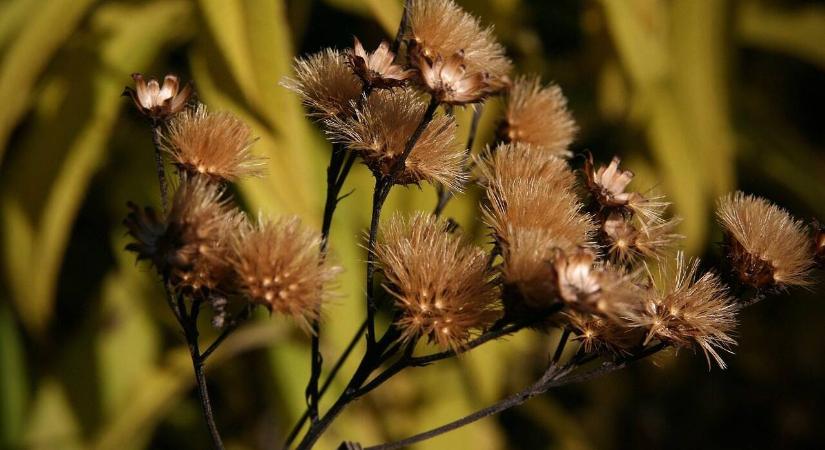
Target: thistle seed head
326, 84
538, 116
378, 69
158, 102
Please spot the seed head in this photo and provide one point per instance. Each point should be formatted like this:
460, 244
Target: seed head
192, 245
441, 29
216, 145
441, 284
688, 310
377, 70
279, 265
327, 85
600, 334
380, 131
766, 246
158, 102
629, 239
538, 116
449, 81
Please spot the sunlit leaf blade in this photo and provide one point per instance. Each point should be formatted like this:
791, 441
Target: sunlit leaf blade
51, 423
14, 380
48, 26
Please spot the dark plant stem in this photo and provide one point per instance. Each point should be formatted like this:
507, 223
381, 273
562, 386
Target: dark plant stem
372, 359
560, 347
227, 330
157, 130
189, 322
554, 376
332, 373
445, 195
337, 171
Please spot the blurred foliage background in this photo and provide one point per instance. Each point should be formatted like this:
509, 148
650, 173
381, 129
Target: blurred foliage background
699, 96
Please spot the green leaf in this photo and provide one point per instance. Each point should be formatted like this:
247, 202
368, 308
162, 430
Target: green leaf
798, 31
51, 423
14, 381
49, 24
136, 34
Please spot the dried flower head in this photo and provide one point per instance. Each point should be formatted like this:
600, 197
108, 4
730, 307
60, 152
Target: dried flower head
191, 246
380, 131
600, 334
509, 163
441, 29
631, 238
688, 310
766, 246
449, 81
377, 70
216, 145
279, 265
593, 288
327, 85
608, 184
159, 102
538, 116
441, 284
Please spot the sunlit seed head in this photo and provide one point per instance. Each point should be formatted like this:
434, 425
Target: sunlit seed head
538, 116
281, 267
380, 132
766, 246
377, 70
327, 85
217, 145
418, 255
686, 309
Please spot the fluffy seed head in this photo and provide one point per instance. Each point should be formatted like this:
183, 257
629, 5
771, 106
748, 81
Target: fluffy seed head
538, 116
380, 131
326, 84
191, 246
217, 145
766, 246
441, 284
377, 70
629, 239
449, 81
440, 28
279, 265
600, 334
688, 310
158, 102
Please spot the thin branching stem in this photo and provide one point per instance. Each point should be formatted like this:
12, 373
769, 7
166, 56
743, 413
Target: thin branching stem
157, 134
560, 347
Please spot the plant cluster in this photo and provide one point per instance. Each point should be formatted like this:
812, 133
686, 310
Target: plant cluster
575, 250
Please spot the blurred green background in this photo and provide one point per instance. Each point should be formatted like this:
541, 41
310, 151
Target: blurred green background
699, 97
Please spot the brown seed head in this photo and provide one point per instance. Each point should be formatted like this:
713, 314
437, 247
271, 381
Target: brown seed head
600, 334
538, 116
380, 131
766, 246
191, 247
629, 239
608, 184
216, 145
449, 81
440, 28
279, 265
441, 284
159, 102
327, 85
688, 310
377, 70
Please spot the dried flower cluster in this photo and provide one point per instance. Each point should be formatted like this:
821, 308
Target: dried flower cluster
585, 254
766, 246
442, 285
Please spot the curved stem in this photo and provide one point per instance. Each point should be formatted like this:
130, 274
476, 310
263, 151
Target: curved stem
332, 373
